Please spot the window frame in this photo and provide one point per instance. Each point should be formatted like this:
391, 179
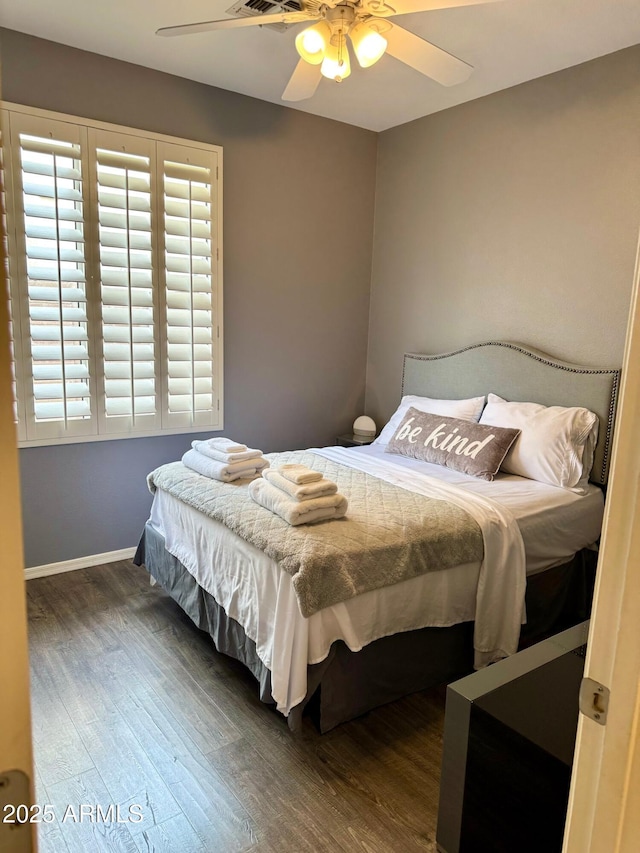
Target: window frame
17, 278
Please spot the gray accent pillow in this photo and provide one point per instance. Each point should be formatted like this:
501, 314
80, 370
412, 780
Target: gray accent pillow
465, 446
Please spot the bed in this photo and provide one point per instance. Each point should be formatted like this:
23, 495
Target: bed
346, 657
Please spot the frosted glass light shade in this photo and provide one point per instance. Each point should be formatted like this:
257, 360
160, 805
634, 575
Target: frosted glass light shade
368, 44
364, 426
336, 64
312, 43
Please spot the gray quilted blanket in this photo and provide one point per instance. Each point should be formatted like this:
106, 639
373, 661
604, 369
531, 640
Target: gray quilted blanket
388, 535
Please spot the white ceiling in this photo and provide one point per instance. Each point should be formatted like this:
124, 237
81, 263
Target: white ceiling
507, 43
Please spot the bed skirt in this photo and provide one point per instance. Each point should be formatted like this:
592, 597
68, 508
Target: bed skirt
347, 684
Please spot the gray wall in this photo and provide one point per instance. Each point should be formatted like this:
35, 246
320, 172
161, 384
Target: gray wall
512, 217
298, 228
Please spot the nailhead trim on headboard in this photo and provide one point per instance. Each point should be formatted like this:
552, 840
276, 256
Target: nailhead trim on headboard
551, 362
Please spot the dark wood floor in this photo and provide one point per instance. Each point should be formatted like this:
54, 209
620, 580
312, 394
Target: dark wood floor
132, 706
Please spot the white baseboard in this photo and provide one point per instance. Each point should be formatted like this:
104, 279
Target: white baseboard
78, 563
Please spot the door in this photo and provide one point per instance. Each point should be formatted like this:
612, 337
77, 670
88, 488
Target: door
604, 804
16, 769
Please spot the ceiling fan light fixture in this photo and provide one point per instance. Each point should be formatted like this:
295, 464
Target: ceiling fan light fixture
368, 45
312, 42
323, 46
336, 64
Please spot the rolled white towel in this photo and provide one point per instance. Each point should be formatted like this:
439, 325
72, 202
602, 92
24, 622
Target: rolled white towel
319, 489
299, 474
225, 445
235, 456
296, 512
219, 470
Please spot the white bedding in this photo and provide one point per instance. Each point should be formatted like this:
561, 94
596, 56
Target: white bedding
253, 590
553, 522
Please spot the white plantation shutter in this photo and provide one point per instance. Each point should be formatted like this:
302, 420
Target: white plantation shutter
115, 271
189, 275
123, 201
49, 201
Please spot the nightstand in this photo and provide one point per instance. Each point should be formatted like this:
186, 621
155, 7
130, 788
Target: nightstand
354, 440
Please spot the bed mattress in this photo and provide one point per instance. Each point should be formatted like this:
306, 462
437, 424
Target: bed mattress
254, 591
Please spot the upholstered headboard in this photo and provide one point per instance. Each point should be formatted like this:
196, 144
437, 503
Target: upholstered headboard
517, 372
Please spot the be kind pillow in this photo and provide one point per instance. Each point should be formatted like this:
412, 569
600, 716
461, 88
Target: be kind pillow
462, 445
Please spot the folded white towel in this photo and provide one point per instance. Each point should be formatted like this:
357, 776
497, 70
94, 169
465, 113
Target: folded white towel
226, 472
213, 453
225, 445
299, 474
319, 489
296, 512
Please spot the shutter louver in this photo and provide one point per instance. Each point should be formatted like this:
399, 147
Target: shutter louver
189, 290
51, 196
124, 205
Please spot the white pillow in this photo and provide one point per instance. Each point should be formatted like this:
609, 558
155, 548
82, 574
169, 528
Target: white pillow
555, 445
466, 410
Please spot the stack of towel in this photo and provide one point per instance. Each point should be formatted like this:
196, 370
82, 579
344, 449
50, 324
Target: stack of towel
223, 459
298, 494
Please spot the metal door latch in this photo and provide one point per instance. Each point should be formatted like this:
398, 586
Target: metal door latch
594, 700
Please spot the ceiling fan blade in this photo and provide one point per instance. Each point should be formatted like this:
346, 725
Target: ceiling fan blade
407, 7
426, 58
233, 23
303, 82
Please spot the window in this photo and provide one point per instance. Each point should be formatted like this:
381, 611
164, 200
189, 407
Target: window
115, 275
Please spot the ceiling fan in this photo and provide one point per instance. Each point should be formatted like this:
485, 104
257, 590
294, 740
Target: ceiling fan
323, 47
